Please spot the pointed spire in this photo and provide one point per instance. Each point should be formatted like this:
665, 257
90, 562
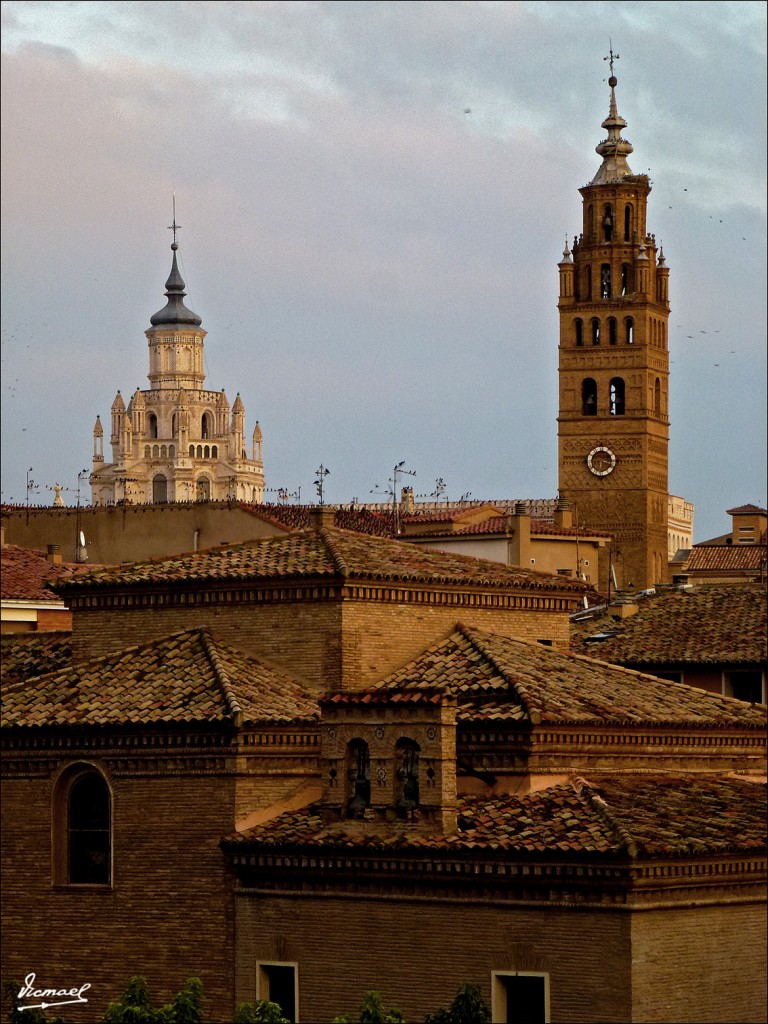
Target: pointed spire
614, 149
175, 312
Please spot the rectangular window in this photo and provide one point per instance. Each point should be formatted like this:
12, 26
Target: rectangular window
749, 686
520, 997
279, 983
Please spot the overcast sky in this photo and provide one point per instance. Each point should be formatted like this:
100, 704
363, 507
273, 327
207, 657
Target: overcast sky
374, 198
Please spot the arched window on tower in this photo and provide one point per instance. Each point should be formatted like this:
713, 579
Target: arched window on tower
629, 330
205, 426
595, 331
588, 397
608, 224
616, 397
159, 489
174, 425
579, 325
605, 281
203, 489
657, 396
406, 777
624, 278
358, 778
628, 223
612, 330
152, 424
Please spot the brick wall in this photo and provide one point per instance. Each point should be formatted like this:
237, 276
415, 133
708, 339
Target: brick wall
168, 915
321, 643
702, 966
417, 954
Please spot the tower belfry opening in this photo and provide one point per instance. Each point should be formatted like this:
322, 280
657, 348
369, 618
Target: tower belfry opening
613, 422
158, 454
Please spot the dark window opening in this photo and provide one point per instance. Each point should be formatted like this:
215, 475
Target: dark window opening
629, 326
624, 278
89, 832
358, 778
152, 425
747, 685
612, 331
588, 397
280, 982
525, 999
579, 332
657, 396
616, 407
627, 223
605, 281
159, 490
608, 224
407, 775
595, 331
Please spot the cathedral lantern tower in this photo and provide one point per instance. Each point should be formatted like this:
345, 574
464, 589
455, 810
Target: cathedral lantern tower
613, 423
174, 441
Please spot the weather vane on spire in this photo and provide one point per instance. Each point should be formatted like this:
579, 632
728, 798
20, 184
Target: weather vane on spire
611, 55
174, 227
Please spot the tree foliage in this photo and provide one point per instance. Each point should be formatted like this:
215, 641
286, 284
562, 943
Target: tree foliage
136, 1007
468, 1007
261, 1012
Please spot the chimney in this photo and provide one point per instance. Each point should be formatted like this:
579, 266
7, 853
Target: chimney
54, 554
680, 581
563, 513
321, 517
407, 501
622, 609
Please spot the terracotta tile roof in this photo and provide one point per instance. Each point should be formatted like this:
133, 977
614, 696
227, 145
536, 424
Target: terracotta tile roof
297, 517
25, 572
727, 557
746, 510
330, 553
23, 655
182, 678
495, 677
706, 625
636, 815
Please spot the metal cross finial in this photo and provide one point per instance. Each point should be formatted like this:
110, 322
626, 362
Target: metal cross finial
611, 56
174, 227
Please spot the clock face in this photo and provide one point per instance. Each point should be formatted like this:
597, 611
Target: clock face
601, 461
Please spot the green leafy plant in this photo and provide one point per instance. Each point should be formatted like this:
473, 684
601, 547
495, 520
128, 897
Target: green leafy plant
135, 1006
261, 1012
468, 1007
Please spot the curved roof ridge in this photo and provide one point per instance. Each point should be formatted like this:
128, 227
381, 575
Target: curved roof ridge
586, 791
222, 676
333, 548
527, 701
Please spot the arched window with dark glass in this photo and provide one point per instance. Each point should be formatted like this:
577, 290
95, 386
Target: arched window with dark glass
657, 396
628, 223
152, 424
624, 278
612, 330
579, 325
629, 330
89, 831
595, 331
616, 397
159, 489
608, 223
588, 397
605, 281
358, 778
406, 777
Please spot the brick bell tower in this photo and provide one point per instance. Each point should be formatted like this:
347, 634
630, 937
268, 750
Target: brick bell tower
613, 424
